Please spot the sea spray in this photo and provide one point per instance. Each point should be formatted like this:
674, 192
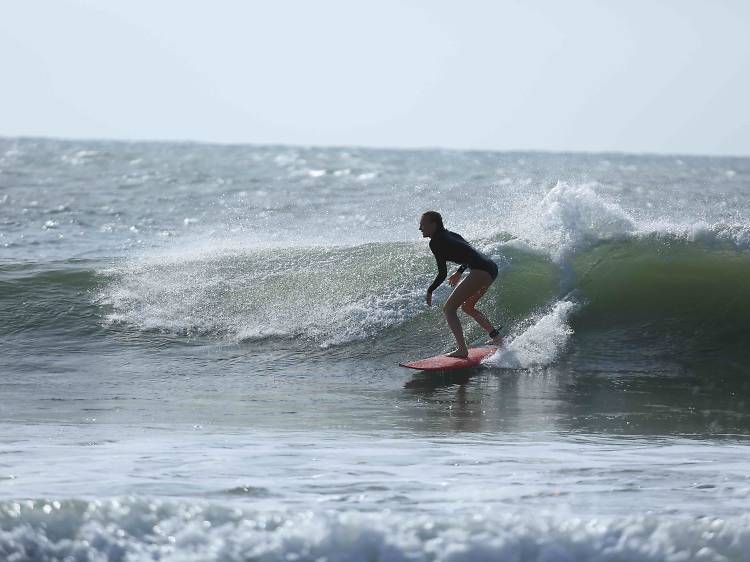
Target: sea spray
540, 342
328, 295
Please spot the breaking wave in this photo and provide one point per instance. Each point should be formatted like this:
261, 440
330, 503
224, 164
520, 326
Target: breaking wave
574, 263
130, 529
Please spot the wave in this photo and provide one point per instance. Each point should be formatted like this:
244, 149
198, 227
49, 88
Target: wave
649, 281
655, 287
680, 299
122, 529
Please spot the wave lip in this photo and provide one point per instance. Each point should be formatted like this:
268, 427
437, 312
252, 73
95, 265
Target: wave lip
141, 529
572, 219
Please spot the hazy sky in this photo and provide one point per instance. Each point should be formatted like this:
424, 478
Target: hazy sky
625, 75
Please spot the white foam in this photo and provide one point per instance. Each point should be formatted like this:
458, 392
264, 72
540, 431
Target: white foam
368, 316
736, 235
570, 219
79, 157
149, 530
540, 343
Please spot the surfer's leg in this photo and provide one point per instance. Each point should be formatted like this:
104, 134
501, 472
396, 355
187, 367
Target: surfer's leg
469, 308
469, 286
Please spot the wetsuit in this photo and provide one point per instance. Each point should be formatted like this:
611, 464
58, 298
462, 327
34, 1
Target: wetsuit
449, 246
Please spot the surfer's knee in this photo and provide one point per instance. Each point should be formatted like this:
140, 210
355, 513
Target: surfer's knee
449, 309
469, 309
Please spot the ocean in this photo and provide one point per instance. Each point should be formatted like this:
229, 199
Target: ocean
200, 348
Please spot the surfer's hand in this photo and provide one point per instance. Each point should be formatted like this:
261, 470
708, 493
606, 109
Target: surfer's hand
454, 279
428, 298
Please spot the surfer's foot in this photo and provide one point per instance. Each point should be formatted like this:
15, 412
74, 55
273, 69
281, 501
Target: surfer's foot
495, 337
497, 340
460, 353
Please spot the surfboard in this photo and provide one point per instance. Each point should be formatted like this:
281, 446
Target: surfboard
444, 363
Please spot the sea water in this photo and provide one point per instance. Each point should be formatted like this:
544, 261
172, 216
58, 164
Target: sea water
200, 348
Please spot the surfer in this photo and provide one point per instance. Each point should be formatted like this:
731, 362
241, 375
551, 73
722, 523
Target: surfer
449, 246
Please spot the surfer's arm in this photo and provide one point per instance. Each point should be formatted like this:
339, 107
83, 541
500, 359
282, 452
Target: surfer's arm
442, 270
442, 274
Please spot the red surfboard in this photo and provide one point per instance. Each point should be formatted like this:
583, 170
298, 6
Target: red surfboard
444, 363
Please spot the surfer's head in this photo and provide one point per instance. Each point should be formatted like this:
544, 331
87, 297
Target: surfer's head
430, 223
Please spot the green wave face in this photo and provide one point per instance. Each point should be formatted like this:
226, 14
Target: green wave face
678, 283
55, 297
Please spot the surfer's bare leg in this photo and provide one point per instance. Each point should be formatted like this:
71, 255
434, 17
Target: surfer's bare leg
469, 308
469, 286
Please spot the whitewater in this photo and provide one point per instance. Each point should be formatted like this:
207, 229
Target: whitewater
200, 348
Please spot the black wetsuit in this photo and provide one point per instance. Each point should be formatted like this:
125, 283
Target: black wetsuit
449, 246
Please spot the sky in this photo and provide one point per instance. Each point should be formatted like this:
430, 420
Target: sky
644, 76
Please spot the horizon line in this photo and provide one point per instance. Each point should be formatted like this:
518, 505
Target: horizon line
372, 147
